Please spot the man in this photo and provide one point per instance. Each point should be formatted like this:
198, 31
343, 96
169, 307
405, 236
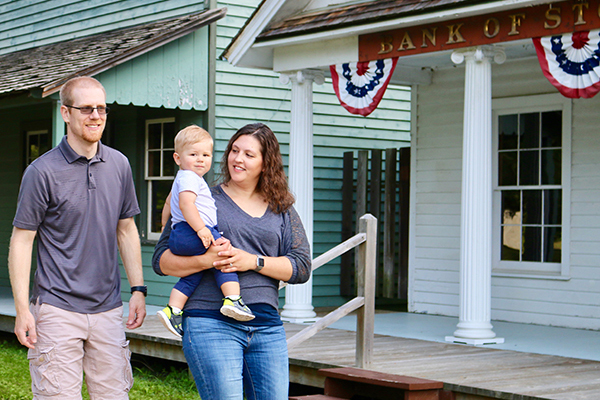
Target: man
79, 200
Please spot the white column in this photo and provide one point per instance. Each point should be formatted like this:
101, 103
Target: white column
298, 298
474, 325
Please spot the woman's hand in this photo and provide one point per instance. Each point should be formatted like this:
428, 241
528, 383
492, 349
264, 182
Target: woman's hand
180, 266
236, 260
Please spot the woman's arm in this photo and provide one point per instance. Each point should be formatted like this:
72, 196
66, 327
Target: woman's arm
238, 260
166, 263
180, 266
294, 267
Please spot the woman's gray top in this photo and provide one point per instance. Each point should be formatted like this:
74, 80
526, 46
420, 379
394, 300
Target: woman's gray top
271, 235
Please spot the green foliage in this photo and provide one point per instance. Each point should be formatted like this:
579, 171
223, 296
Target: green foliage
154, 379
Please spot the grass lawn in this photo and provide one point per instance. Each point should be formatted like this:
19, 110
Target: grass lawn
154, 379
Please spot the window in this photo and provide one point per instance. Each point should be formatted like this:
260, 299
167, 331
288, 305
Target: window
160, 169
531, 141
37, 143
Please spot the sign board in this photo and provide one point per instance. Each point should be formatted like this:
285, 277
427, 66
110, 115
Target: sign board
524, 23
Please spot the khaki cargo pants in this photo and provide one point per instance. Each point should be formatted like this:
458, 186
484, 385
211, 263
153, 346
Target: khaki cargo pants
70, 344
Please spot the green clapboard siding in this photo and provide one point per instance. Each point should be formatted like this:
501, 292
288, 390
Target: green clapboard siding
247, 95
173, 76
25, 24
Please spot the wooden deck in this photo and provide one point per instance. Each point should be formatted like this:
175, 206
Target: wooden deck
475, 372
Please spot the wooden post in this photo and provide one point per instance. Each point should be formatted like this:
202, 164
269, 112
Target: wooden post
361, 183
347, 272
365, 285
362, 168
375, 204
389, 225
375, 186
404, 212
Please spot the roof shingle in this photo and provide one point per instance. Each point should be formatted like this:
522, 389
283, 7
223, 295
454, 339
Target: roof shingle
48, 67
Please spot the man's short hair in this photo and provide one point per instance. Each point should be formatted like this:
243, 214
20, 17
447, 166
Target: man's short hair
190, 135
66, 91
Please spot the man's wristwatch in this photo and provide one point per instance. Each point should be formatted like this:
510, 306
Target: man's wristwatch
143, 289
260, 263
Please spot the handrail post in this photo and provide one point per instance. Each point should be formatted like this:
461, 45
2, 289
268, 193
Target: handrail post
365, 285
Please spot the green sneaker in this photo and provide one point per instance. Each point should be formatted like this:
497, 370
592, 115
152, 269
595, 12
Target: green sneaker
236, 309
171, 321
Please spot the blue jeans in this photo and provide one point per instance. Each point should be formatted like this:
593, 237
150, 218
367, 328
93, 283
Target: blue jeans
229, 360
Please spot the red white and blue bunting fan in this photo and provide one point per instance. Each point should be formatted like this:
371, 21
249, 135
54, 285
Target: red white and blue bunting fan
360, 86
571, 62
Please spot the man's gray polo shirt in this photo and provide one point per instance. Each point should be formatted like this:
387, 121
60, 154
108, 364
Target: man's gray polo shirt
75, 205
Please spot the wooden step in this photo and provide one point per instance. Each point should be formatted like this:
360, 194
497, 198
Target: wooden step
380, 379
315, 397
348, 382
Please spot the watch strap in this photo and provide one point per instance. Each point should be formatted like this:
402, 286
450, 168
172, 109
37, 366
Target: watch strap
143, 289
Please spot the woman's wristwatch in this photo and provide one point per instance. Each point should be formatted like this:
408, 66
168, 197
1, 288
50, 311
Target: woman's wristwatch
260, 263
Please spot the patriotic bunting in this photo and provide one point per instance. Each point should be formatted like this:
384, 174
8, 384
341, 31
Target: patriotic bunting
360, 86
571, 62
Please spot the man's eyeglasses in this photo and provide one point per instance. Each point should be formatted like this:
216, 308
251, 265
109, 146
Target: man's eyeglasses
88, 110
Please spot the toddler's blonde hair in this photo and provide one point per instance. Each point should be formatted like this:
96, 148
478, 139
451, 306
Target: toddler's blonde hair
190, 135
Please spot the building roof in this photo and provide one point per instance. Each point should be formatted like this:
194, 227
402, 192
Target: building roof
49, 67
356, 14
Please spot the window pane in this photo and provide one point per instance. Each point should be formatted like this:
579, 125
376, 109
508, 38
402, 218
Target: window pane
532, 243
507, 128
551, 167
552, 129
34, 148
169, 163
44, 143
552, 244
529, 130
553, 207
154, 163
511, 207
511, 239
169, 135
528, 167
507, 168
154, 136
160, 191
532, 207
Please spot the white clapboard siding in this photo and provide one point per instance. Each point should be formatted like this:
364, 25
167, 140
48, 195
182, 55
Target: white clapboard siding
248, 95
435, 234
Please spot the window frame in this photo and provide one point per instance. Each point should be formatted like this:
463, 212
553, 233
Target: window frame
150, 179
528, 269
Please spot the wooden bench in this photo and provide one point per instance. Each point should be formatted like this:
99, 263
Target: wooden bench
348, 383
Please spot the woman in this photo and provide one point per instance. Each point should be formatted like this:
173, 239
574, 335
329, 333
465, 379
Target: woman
268, 244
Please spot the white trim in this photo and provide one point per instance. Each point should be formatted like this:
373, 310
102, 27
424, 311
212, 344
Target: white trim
148, 179
397, 23
255, 26
524, 104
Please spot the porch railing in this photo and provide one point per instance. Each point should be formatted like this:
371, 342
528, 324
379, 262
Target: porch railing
364, 302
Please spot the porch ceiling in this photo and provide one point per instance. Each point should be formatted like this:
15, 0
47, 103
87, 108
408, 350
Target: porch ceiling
49, 67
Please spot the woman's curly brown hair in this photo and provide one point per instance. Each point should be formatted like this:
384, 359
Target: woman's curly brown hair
272, 183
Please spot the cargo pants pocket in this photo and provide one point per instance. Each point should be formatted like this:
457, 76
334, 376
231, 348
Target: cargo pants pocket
127, 370
43, 370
